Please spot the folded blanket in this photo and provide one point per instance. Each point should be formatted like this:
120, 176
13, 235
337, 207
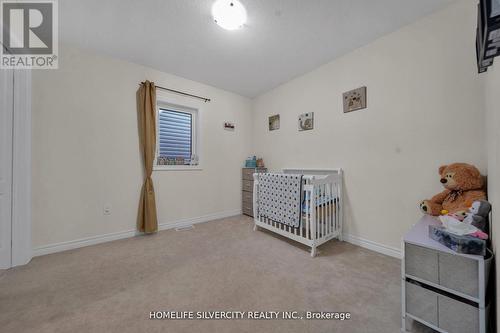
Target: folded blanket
279, 197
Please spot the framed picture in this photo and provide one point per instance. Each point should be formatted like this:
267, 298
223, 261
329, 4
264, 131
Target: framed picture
229, 126
306, 121
274, 122
354, 100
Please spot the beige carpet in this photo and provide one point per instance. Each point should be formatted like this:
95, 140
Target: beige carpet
221, 265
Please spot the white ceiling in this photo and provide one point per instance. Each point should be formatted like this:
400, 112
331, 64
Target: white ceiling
282, 38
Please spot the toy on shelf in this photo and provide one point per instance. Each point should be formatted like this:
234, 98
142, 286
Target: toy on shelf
463, 185
251, 162
478, 215
254, 162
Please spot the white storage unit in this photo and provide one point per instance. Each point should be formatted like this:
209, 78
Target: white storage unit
442, 289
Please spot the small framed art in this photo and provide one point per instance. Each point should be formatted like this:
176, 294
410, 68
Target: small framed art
274, 122
306, 121
354, 100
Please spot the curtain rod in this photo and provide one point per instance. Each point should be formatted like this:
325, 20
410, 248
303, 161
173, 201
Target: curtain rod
182, 93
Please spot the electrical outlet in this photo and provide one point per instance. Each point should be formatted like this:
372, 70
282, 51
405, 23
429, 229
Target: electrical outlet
106, 209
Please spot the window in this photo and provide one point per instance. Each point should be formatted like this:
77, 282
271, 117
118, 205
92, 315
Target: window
176, 138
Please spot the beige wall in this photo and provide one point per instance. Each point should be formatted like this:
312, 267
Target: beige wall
492, 94
425, 108
86, 150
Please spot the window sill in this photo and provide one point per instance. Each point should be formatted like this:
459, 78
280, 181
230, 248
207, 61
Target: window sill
177, 168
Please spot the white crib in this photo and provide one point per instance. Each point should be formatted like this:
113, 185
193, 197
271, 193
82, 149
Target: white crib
321, 221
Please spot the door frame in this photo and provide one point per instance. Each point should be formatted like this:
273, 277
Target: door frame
21, 246
21, 169
7, 114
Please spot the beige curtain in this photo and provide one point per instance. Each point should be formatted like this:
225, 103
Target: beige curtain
147, 221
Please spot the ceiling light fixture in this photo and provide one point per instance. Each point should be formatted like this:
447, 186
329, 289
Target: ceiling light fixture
229, 14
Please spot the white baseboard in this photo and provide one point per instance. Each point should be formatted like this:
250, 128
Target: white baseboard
82, 242
77, 243
373, 246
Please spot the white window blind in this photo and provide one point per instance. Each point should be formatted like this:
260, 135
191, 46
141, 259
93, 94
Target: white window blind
175, 134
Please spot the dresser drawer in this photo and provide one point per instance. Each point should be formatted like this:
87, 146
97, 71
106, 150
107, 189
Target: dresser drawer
447, 313
248, 185
421, 262
247, 209
459, 274
422, 303
247, 173
247, 197
450, 271
457, 317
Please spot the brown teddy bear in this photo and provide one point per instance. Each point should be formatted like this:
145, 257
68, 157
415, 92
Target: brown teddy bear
463, 185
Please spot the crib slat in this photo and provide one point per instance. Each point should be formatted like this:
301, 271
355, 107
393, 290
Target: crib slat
315, 215
308, 205
334, 196
337, 221
323, 213
332, 209
318, 216
327, 209
320, 213
311, 216
327, 206
338, 207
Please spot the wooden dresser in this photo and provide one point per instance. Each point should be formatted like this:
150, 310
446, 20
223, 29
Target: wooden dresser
247, 189
442, 289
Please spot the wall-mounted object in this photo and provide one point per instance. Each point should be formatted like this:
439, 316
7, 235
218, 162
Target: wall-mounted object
306, 121
229, 126
487, 33
274, 122
354, 99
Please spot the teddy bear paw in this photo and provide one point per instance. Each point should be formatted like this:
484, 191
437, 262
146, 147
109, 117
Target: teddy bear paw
425, 207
